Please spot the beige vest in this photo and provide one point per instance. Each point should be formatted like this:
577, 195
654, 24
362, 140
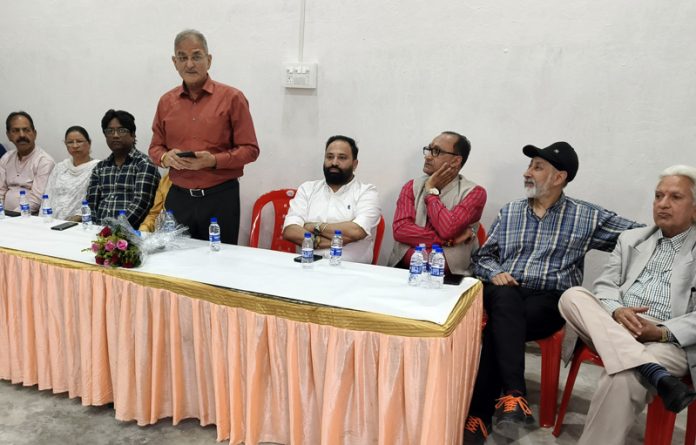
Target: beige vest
458, 257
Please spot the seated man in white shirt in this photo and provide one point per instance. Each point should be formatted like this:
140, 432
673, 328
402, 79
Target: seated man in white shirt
26, 168
337, 202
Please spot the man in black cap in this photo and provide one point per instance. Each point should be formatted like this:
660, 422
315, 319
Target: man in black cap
535, 250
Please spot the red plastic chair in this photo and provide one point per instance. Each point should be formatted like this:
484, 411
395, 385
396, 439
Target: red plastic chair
379, 237
481, 235
659, 424
281, 202
550, 373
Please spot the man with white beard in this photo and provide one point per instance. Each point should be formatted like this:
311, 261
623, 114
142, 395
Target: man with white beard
535, 251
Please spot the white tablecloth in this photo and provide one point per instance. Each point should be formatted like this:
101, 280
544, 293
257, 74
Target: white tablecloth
355, 286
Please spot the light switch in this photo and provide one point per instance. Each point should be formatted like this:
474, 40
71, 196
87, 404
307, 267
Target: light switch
300, 75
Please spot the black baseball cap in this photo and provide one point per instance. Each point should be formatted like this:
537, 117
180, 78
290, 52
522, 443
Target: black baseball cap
559, 154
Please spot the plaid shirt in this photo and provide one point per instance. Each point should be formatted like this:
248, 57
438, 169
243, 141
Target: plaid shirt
130, 187
547, 253
652, 287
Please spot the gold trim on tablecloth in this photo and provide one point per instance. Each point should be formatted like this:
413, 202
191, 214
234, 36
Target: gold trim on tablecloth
278, 306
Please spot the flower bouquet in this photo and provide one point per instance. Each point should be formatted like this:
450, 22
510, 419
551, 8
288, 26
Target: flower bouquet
117, 244
116, 247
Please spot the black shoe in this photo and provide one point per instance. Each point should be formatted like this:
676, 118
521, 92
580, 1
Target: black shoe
475, 431
674, 393
512, 412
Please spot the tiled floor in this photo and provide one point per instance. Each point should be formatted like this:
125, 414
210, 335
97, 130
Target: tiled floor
29, 416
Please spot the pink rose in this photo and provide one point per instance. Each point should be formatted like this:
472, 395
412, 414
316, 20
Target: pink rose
109, 246
122, 244
95, 247
107, 263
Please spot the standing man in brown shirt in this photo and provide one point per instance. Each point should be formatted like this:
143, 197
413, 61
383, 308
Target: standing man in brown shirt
204, 133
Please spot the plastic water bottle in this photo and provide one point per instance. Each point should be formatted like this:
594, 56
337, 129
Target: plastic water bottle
46, 210
437, 268
24, 204
169, 224
122, 217
2, 209
426, 258
415, 270
336, 248
86, 215
307, 251
213, 235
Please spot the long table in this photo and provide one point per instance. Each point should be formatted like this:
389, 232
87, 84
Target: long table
261, 366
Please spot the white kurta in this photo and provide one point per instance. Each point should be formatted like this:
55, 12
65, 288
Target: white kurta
67, 187
355, 201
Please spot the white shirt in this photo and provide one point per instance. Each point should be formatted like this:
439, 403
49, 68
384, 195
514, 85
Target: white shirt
353, 202
67, 187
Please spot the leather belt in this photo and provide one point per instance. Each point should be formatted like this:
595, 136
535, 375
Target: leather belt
201, 193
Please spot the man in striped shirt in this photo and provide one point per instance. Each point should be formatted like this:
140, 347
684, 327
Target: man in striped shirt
535, 251
440, 207
640, 318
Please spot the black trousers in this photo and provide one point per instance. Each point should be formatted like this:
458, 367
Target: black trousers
515, 315
221, 201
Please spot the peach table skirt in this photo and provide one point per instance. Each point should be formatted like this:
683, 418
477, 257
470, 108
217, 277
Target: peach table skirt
257, 377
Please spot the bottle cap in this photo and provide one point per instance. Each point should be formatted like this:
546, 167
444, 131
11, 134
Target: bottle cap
307, 235
419, 248
44, 196
121, 212
22, 192
171, 212
84, 202
338, 232
213, 220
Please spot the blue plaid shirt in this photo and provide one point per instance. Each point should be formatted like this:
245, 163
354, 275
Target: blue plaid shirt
547, 253
130, 187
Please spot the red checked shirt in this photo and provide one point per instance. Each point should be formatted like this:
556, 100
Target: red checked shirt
442, 225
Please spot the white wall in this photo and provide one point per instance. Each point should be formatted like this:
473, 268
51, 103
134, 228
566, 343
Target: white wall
615, 79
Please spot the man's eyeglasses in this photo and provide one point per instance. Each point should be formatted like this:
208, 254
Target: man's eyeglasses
435, 152
196, 58
120, 131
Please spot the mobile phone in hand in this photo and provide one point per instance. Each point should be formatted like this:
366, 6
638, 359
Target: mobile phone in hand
186, 154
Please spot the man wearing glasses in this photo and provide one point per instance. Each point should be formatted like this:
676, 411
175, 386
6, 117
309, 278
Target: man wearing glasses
204, 133
26, 168
535, 250
440, 207
126, 180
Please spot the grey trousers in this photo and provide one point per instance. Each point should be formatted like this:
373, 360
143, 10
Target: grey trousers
621, 393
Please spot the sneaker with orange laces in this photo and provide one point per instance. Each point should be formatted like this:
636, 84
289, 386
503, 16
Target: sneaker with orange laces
512, 411
475, 431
